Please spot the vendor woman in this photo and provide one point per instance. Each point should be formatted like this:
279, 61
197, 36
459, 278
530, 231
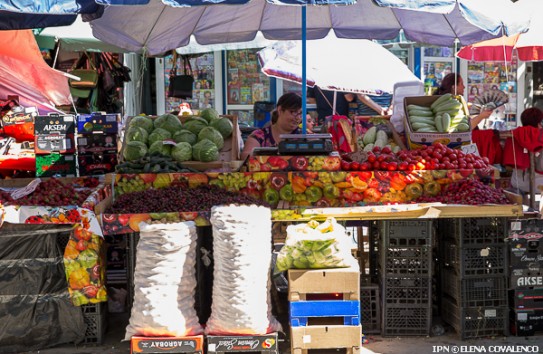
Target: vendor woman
285, 119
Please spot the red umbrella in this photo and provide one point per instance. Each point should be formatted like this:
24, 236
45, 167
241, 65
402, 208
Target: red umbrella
529, 45
499, 49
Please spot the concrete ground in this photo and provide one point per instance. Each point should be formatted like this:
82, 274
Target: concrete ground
447, 343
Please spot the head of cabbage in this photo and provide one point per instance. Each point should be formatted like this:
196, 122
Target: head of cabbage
185, 136
159, 134
205, 151
168, 122
182, 152
212, 134
224, 126
142, 121
134, 150
136, 133
195, 125
209, 114
160, 147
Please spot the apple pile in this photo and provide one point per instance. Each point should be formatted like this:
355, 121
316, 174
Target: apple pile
434, 157
54, 192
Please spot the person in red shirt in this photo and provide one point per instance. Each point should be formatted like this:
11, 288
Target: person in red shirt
528, 138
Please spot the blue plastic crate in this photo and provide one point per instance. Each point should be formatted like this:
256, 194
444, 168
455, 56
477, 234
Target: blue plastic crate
301, 311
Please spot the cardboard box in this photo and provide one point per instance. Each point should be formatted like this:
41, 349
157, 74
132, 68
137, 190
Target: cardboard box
526, 249
324, 281
98, 122
96, 164
54, 133
257, 343
93, 143
526, 278
527, 299
325, 337
417, 140
526, 322
188, 344
56, 165
229, 153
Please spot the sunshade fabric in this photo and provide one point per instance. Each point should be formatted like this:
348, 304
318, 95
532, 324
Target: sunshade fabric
528, 45
28, 14
337, 64
156, 28
23, 72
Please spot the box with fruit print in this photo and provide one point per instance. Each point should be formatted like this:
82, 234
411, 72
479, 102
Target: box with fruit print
331, 162
97, 122
56, 165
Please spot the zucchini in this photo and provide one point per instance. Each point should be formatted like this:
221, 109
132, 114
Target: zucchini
451, 105
368, 147
462, 127
370, 136
416, 126
440, 100
427, 130
446, 119
420, 108
427, 120
420, 113
439, 123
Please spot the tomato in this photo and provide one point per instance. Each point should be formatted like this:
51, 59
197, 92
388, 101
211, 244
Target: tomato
371, 158
386, 150
392, 166
365, 166
345, 165
402, 166
354, 166
383, 166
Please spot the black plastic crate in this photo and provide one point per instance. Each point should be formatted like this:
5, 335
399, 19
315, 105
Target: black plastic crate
373, 233
410, 229
475, 322
370, 309
406, 320
94, 316
471, 292
398, 258
474, 231
475, 261
398, 291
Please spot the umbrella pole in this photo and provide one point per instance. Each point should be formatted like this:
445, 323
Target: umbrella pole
304, 69
335, 100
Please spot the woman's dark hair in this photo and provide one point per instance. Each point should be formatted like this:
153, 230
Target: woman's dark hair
531, 117
447, 83
290, 100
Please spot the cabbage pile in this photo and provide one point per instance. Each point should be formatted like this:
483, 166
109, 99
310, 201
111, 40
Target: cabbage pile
200, 138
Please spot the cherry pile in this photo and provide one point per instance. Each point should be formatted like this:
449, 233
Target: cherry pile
177, 198
53, 192
434, 157
468, 192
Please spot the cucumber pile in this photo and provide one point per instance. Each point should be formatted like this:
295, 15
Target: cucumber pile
375, 137
445, 115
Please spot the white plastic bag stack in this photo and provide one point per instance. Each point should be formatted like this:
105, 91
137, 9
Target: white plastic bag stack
241, 274
165, 282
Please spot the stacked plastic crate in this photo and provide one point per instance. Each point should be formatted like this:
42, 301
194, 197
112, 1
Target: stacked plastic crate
97, 143
54, 145
474, 276
325, 309
405, 269
526, 276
